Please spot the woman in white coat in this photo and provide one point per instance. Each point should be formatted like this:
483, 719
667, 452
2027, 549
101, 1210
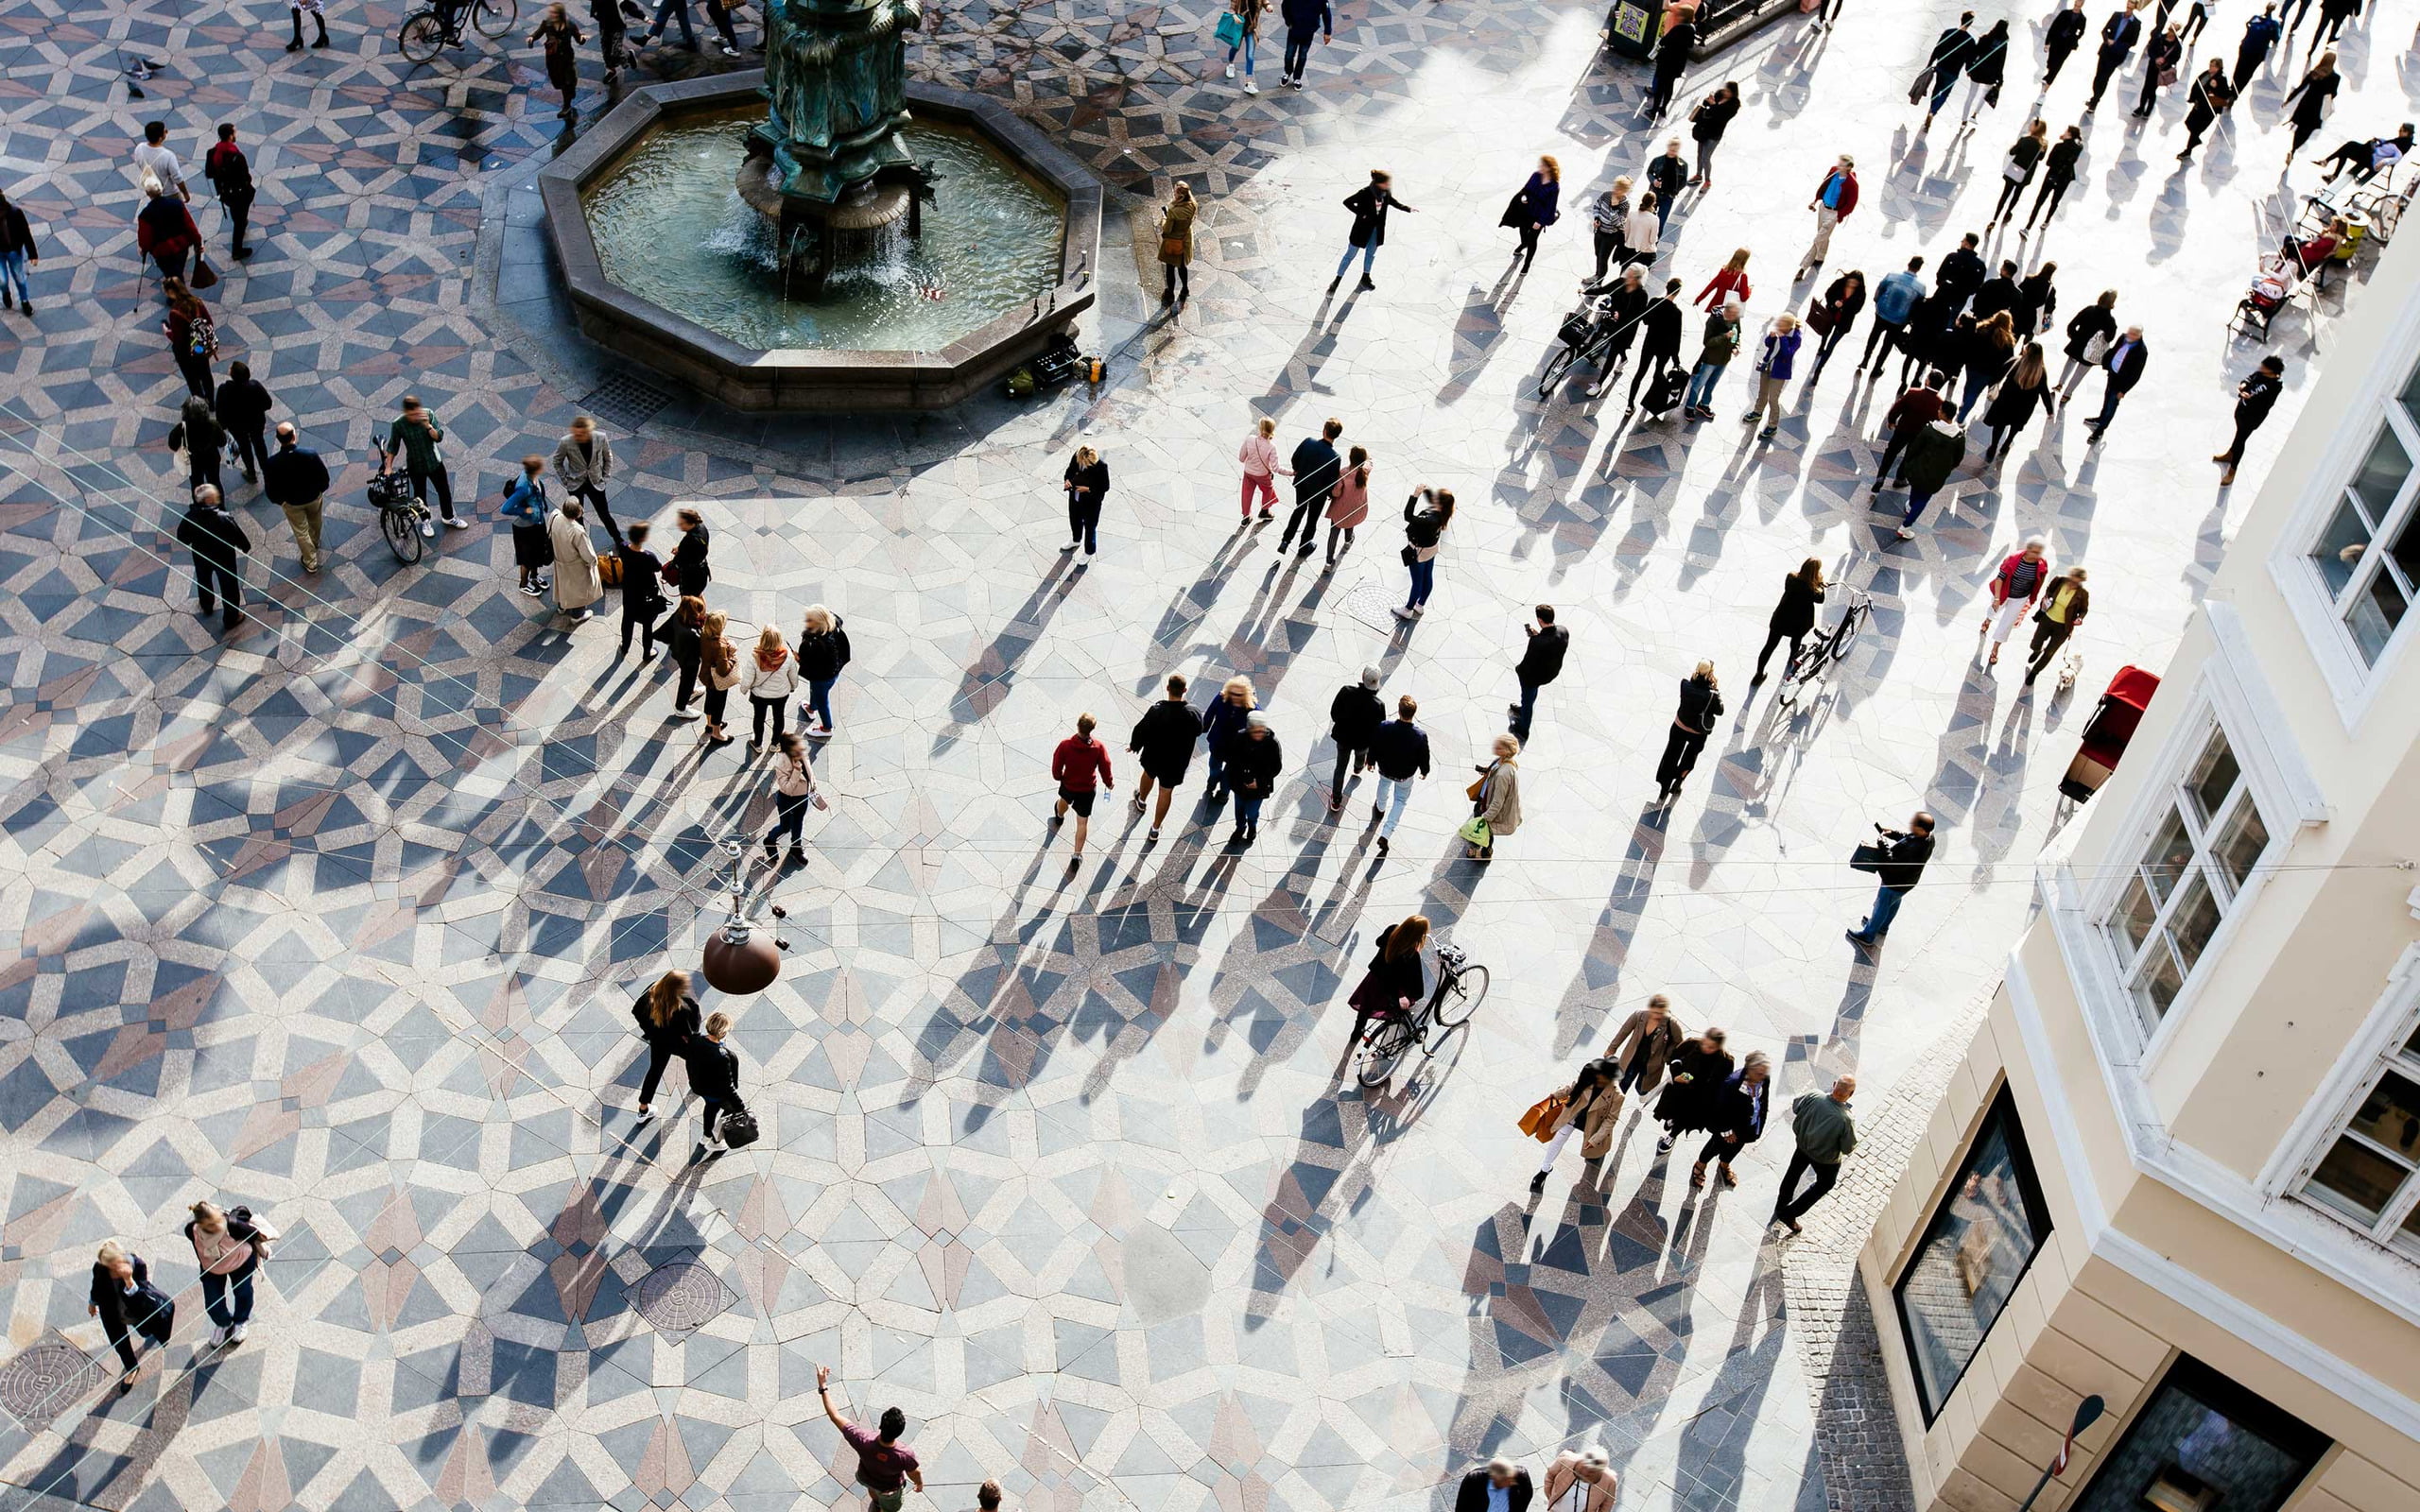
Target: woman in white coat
576, 585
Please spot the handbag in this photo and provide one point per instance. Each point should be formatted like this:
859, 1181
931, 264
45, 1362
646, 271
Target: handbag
1410, 554
1539, 1122
204, 276
1174, 249
1231, 29
609, 569
2013, 171
671, 572
2097, 348
1867, 857
739, 1129
1476, 830
1819, 318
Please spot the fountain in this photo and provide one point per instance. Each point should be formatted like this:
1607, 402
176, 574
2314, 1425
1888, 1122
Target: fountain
824, 234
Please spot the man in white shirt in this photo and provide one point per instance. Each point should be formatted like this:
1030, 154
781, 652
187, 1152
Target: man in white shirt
151, 156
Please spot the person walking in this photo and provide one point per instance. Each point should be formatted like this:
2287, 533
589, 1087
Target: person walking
886, 1467
1737, 1119
1541, 662
2026, 387
1581, 1480
1951, 51
218, 544
525, 510
1307, 21
772, 677
1608, 216
1989, 350
823, 653
1426, 515
228, 1249
2091, 331
1369, 204
1986, 69
1314, 467
793, 793
1080, 764
231, 178
1917, 406
1495, 800
165, 232
18, 253
683, 636
1258, 456
714, 1076
318, 10
1642, 232
1353, 717
1794, 616
1894, 299
2332, 16
1242, 36
1253, 761
1694, 1087
2065, 34
719, 665
1999, 293
1835, 314
1671, 61
2260, 34
2013, 588
417, 437
193, 440
193, 335
2253, 398
1835, 202
1161, 743
584, 464
1643, 1048
2017, 170
2160, 58
1224, 723
1822, 1136
1590, 1107
1900, 867
577, 582
1659, 347
642, 590
154, 159
560, 37
1708, 119
129, 1306
1717, 345
1399, 749
1535, 207
1392, 986
242, 407
2064, 603
2120, 371
1773, 359
691, 571
2118, 36
1729, 283
1620, 312
1500, 1485
2210, 97
296, 480
2058, 171
1701, 705
1934, 453
2306, 102
2037, 299
1349, 503
1666, 176
668, 1018
1086, 482
1176, 244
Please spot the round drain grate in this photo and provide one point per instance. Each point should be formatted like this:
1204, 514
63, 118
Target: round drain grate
45, 1379
680, 1295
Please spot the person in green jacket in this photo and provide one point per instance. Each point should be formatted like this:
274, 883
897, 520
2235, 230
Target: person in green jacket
1932, 456
414, 437
1826, 1135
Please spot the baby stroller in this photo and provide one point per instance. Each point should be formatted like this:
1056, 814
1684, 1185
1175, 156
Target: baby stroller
2271, 288
2106, 733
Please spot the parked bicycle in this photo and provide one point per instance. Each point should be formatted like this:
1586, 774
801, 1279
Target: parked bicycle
431, 30
403, 516
1433, 1024
1819, 652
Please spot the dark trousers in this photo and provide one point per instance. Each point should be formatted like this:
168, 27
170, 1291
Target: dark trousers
1657, 363
239, 216
251, 448
1335, 533
1607, 242
2012, 190
1345, 756
658, 1057
212, 581
664, 14
593, 497
2048, 635
153, 1325
2151, 92
2110, 395
1681, 750
716, 1108
2102, 73
776, 708
1718, 1147
790, 817
318, 16
1634, 1072
689, 687
2245, 66
1304, 517
718, 701
2243, 429
1083, 521
1831, 338
1529, 253
1298, 51
203, 467
195, 368
1898, 448
640, 616
1179, 282
2046, 203
1786, 1206
433, 481
1883, 334
1773, 637
1528, 708
228, 1298
2057, 60
721, 18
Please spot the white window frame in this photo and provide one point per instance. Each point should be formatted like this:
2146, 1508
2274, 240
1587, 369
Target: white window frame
2352, 680
2378, 1048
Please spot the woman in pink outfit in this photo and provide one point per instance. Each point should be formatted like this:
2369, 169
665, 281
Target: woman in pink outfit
1260, 456
1349, 505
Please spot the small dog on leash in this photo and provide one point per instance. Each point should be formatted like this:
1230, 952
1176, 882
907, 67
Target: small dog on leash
2070, 668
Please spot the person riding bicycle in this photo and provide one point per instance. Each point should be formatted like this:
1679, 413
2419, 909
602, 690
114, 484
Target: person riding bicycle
1394, 984
450, 14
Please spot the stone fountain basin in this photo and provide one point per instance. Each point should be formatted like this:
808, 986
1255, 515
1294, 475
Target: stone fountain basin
807, 378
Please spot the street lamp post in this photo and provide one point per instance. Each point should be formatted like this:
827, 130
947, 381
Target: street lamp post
2087, 1412
741, 958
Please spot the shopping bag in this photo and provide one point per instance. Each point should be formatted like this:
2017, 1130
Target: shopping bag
739, 1129
1231, 29
1867, 858
1476, 830
1538, 1123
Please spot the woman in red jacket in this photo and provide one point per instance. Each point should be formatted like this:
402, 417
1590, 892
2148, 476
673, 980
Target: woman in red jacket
163, 230
1080, 766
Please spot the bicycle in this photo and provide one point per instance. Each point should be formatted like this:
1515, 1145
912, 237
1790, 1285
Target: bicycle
1586, 334
1819, 652
401, 512
431, 30
1460, 988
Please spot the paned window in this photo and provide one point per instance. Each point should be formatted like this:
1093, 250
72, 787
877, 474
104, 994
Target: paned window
2370, 1172
2202, 847
2367, 555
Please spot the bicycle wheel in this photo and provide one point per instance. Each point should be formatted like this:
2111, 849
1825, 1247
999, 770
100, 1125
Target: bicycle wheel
1386, 1047
403, 534
494, 17
1459, 998
1558, 367
1846, 637
423, 37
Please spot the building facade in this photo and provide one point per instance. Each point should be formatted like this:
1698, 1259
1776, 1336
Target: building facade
2179, 1167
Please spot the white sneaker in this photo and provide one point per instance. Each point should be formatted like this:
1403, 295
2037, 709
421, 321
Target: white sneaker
238, 1334
429, 528
1231, 71
456, 522
1251, 88
217, 1338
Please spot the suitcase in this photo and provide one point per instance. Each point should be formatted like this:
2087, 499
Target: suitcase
739, 1129
1666, 396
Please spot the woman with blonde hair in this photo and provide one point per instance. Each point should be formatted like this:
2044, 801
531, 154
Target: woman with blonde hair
126, 1303
1222, 724
1176, 244
1495, 800
1608, 214
668, 1018
1773, 364
718, 667
228, 1247
793, 792
1700, 706
1258, 456
823, 652
1086, 481
772, 677
576, 585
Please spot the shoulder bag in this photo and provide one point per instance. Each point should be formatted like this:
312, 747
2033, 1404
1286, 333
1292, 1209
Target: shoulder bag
1231, 29
1539, 1122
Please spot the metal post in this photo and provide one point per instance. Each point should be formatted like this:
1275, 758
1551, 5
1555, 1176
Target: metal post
2087, 1412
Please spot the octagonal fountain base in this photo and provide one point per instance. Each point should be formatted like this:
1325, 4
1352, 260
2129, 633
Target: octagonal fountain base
673, 267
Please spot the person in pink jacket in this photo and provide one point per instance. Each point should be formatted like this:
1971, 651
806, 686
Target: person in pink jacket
1260, 456
1348, 503
2015, 588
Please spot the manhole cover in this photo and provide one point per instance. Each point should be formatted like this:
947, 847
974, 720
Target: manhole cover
45, 1378
1372, 605
680, 1296
625, 402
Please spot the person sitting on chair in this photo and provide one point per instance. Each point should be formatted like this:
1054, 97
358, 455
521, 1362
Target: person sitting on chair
2367, 158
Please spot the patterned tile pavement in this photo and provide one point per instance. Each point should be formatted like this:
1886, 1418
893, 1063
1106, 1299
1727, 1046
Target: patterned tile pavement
340, 917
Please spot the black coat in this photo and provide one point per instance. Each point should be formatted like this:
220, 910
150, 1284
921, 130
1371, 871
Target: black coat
1988, 63
1962, 272
121, 1313
1471, 1495
1386, 982
714, 1071
689, 564
2258, 396
1401, 749
2059, 166
1316, 468
1164, 739
1712, 116
1701, 704
2015, 405
2092, 320
1694, 1104
1370, 204
1541, 659
642, 579
2067, 30
294, 475
213, 537
242, 404
822, 654
1661, 325
1353, 715
1904, 858
2118, 34
675, 1033
1673, 51
1999, 293
1740, 1110
1091, 481
1795, 614
1253, 764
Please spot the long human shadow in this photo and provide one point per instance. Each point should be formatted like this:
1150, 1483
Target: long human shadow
1963, 750
1301, 374
989, 679
1272, 632
1277, 978
1331, 1176
1815, 1061
1599, 973
1998, 812
1190, 608
1478, 333
1710, 1468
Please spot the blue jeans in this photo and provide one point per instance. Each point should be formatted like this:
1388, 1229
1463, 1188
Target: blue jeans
1248, 811
1528, 708
1217, 768
665, 12
790, 817
819, 698
1369, 252
1423, 581
1298, 51
1886, 908
1244, 47
12, 276
2110, 394
1391, 797
1701, 381
1916, 502
215, 1295
1975, 384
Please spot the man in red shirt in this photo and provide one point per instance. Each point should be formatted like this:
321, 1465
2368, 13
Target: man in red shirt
1910, 413
1080, 766
885, 1465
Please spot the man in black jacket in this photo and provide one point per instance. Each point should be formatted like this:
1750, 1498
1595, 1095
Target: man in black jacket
231, 174
218, 543
1253, 766
1399, 749
2120, 371
242, 407
714, 1076
2118, 34
2253, 398
1960, 275
2000, 293
1498, 1485
1353, 715
1541, 664
1904, 855
1305, 21
1163, 745
297, 482
2065, 35
1316, 468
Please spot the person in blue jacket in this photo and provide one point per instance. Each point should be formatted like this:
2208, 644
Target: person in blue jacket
1535, 208
1307, 21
